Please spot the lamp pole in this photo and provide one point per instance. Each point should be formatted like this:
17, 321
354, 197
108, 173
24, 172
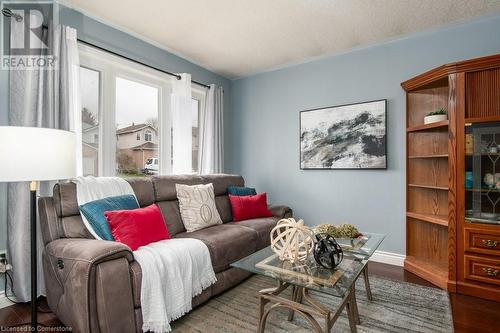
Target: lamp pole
34, 289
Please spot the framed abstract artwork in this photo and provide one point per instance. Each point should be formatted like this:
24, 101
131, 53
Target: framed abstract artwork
351, 136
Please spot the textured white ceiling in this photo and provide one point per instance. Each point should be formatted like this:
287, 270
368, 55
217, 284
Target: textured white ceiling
240, 37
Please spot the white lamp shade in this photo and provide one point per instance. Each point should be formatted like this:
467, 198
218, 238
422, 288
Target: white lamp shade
32, 153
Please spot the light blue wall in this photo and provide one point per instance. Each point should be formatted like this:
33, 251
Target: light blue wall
110, 38
263, 133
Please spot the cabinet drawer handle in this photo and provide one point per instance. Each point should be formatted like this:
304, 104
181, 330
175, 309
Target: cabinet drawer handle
490, 243
490, 271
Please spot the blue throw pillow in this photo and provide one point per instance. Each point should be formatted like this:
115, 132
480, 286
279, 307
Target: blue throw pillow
94, 212
241, 190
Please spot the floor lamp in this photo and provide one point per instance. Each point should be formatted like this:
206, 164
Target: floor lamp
35, 154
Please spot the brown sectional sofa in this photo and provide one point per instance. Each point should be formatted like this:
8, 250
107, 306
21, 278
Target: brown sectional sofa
94, 285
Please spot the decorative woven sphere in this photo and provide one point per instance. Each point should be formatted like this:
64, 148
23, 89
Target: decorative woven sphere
327, 252
292, 240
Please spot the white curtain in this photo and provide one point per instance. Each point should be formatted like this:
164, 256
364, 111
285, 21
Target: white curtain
40, 98
211, 157
182, 126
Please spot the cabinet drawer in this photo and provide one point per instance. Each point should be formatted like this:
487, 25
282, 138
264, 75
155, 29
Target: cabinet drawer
482, 269
481, 241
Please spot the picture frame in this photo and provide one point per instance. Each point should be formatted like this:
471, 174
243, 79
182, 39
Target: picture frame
349, 136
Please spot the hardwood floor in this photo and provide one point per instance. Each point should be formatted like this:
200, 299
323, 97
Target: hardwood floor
470, 314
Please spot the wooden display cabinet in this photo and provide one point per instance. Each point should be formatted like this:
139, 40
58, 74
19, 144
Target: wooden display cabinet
453, 232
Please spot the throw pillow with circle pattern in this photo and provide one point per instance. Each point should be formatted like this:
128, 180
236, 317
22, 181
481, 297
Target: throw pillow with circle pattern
197, 206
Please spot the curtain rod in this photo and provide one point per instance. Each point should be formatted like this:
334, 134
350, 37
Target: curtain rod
140, 62
8, 13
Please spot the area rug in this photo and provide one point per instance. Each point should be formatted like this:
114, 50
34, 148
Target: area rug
396, 307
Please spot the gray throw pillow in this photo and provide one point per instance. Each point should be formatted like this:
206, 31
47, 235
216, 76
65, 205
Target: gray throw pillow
197, 206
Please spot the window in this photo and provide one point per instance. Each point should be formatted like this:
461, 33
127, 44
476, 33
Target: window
148, 136
196, 110
136, 111
89, 85
132, 133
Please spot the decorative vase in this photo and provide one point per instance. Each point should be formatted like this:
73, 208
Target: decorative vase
291, 240
435, 118
327, 252
489, 180
469, 179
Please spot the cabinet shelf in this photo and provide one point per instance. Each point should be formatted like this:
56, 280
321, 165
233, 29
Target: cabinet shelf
483, 190
433, 272
481, 119
428, 156
483, 154
424, 127
443, 188
431, 218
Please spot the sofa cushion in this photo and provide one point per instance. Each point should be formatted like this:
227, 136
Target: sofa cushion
224, 208
222, 181
262, 226
143, 189
249, 207
66, 203
164, 186
137, 227
64, 195
73, 227
241, 190
171, 216
197, 205
226, 243
94, 212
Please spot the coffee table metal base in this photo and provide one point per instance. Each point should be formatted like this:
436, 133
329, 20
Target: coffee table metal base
305, 305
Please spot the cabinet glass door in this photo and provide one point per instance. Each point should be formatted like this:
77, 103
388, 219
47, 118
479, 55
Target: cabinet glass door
482, 173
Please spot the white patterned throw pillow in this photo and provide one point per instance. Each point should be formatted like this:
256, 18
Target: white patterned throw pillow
197, 206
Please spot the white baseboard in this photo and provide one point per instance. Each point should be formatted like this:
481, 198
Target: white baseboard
4, 302
388, 258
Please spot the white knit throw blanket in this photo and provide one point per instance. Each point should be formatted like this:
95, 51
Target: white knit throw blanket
173, 272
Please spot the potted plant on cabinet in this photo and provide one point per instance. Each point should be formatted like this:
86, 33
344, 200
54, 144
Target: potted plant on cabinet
435, 116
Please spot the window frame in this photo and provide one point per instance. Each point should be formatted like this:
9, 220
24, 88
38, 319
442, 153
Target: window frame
111, 67
100, 106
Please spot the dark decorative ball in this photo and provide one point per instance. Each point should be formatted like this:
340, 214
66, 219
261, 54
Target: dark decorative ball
327, 252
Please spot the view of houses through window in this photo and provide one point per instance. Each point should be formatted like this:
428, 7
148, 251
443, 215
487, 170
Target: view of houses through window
136, 108
136, 117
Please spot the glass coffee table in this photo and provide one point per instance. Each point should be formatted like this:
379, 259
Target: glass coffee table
301, 278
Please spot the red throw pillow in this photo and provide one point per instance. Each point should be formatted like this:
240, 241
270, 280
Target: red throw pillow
249, 206
137, 227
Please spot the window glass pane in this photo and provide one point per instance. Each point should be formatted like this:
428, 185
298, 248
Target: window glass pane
196, 140
89, 88
136, 128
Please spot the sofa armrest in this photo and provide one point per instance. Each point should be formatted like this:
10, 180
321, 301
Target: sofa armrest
88, 250
89, 285
281, 211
